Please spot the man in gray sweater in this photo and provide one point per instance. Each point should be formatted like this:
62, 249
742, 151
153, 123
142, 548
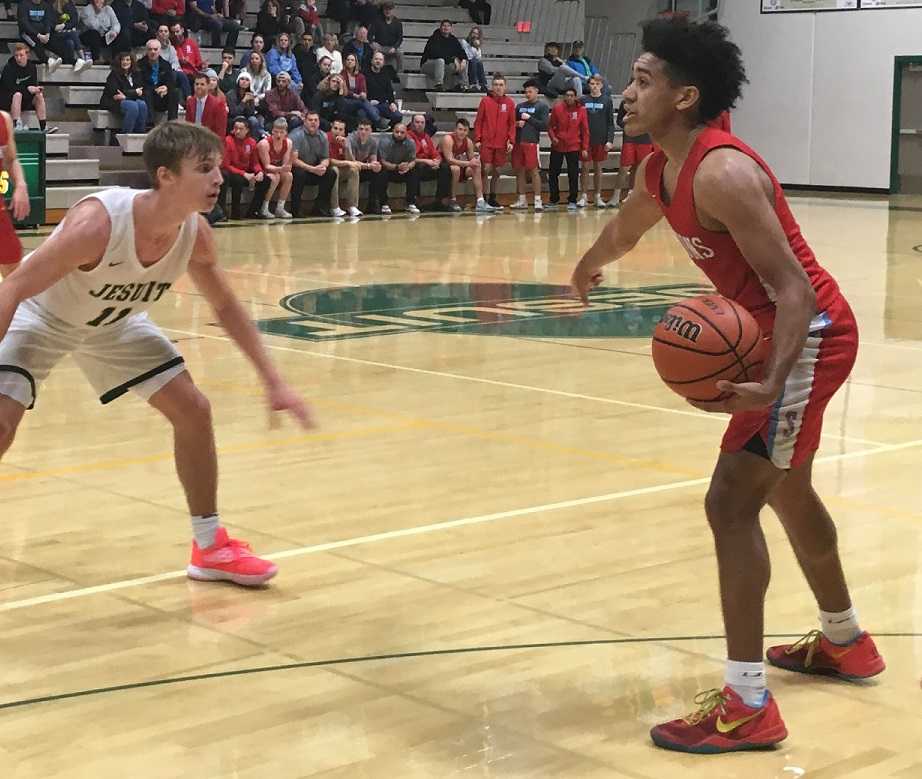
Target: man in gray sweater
532, 118
397, 155
310, 165
601, 113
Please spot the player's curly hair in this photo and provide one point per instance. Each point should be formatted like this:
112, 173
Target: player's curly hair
700, 54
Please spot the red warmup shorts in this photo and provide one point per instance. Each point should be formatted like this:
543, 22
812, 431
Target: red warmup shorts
598, 153
633, 153
790, 429
525, 156
491, 156
10, 247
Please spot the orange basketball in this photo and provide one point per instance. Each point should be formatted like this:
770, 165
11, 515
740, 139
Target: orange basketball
703, 340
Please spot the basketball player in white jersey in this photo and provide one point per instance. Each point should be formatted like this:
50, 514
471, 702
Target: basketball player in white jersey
86, 291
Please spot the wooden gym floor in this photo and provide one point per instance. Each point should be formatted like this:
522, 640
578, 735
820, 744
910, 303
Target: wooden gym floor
494, 561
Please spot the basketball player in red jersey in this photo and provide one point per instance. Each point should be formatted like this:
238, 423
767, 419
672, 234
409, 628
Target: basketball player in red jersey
10, 247
731, 216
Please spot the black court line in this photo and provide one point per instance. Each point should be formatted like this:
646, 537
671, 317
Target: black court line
393, 656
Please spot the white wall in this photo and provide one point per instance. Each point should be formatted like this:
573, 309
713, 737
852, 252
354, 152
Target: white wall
819, 105
553, 20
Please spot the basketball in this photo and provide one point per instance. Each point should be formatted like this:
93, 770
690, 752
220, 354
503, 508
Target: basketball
703, 340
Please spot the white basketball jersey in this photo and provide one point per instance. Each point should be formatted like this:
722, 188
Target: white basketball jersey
119, 286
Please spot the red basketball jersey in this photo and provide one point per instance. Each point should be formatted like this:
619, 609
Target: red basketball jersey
716, 253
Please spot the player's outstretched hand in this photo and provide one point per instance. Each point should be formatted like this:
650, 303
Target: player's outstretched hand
284, 398
21, 205
748, 396
583, 281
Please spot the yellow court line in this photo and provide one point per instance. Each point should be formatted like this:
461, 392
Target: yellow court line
508, 384
431, 528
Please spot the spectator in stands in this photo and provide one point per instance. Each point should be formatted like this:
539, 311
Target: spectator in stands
476, 73
187, 50
381, 90
205, 109
494, 133
360, 48
480, 10
330, 49
444, 61
387, 37
461, 162
306, 59
124, 94
581, 64
159, 82
208, 15
305, 18
242, 103
634, 148
532, 118
36, 27
168, 52
134, 21
347, 171
238, 11
66, 31
257, 44
20, 90
340, 11
270, 21
397, 155
428, 156
101, 27
555, 75
281, 59
601, 116
313, 81
362, 150
364, 13
569, 132
283, 102
260, 80
357, 90
214, 89
240, 166
275, 155
311, 166
331, 101
168, 12
227, 74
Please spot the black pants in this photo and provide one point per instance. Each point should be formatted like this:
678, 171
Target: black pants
95, 42
425, 173
557, 158
410, 178
236, 183
301, 179
57, 44
168, 103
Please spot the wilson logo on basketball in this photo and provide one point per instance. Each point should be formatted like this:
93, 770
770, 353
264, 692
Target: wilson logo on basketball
684, 328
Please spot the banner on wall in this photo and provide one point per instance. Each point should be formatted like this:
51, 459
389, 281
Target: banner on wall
795, 6
30, 148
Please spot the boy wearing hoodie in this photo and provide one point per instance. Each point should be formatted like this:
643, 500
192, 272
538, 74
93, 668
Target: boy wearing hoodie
494, 133
569, 131
531, 120
601, 116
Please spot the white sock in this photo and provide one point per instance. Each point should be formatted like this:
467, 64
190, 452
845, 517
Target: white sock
204, 529
840, 627
748, 681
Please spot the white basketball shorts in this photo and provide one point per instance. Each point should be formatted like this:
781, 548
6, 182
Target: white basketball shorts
130, 355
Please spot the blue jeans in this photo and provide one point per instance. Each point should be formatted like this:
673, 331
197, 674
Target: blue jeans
134, 116
392, 116
182, 81
476, 73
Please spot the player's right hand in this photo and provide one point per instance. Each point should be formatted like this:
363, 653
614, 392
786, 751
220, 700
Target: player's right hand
584, 280
20, 203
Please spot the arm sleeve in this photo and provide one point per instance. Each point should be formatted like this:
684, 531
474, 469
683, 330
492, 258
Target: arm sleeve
510, 125
399, 42
114, 26
478, 121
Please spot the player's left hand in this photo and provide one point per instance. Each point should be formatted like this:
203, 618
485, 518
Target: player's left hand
284, 398
583, 281
21, 205
748, 396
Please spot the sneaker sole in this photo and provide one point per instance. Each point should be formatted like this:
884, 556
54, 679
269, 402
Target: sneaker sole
713, 749
827, 672
215, 575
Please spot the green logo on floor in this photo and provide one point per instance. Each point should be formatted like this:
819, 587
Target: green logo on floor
528, 310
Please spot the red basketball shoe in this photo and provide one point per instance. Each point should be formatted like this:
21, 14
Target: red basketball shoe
816, 654
723, 723
229, 560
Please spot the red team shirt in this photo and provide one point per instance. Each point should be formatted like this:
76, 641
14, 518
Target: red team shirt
10, 247
791, 428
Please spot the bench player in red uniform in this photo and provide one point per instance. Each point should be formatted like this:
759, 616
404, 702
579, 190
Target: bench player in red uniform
10, 246
729, 212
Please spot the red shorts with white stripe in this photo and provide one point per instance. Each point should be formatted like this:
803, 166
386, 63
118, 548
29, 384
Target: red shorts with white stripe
791, 428
10, 247
634, 153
